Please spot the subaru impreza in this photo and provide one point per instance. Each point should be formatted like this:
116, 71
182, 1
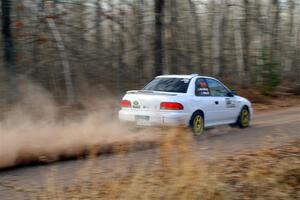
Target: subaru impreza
191, 101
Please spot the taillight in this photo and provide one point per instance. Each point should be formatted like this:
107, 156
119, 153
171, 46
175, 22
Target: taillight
171, 106
125, 104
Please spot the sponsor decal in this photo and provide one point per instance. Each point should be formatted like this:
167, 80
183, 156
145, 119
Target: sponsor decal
230, 103
136, 104
203, 91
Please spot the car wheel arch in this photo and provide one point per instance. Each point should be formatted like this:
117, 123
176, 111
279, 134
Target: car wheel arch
245, 106
197, 112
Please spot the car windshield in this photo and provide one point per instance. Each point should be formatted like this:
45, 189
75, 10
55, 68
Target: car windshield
177, 85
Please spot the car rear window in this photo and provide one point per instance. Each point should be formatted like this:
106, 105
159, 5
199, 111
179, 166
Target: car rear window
177, 85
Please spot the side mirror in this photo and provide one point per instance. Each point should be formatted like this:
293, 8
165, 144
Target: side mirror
233, 92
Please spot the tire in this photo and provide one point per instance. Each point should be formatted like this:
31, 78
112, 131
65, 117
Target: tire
197, 124
244, 118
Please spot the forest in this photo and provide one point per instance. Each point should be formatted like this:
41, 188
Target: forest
75, 49
65, 65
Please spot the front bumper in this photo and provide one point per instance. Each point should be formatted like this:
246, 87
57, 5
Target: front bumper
159, 118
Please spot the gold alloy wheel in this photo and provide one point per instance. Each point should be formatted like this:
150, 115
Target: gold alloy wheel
245, 117
198, 125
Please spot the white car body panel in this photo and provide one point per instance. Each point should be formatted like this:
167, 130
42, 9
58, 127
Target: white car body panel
147, 112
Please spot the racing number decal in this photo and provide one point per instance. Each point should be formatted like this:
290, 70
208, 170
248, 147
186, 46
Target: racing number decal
202, 88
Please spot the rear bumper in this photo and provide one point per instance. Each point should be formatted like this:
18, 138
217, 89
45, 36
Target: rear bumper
167, 118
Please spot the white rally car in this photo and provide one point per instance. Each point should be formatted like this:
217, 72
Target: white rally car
185, 100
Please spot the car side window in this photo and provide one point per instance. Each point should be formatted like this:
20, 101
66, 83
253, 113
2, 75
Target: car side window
216, 88
201, 88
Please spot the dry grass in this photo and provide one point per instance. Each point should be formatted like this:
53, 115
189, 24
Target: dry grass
263, 103
177, 173
276, 103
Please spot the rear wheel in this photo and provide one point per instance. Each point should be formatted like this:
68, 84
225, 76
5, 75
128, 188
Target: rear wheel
197, 124
244, 118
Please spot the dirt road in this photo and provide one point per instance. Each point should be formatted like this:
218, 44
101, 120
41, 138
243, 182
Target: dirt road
268, 129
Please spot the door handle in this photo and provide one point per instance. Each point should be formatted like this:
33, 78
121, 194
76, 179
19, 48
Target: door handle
216, 102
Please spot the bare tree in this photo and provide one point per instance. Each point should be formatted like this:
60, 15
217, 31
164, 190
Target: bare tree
9, 52
199, 45
246, 42
238, 48
94, 44
275, 29
140, 38
121, 49
173, 39
159, 26
64, 59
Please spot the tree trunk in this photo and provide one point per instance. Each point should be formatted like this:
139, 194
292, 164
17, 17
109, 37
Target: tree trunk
173, 40
239, 54
159, 26
223, 38
9, 53
275, 30
99, 39
121, 51
140, 49
197, 25
112, 50
216, 40
246, 43
296, 61
64, 60
291, 37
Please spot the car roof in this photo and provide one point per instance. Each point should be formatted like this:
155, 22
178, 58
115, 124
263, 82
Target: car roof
183, 76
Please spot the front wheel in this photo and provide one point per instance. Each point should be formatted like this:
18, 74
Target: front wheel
244, 118
197, 124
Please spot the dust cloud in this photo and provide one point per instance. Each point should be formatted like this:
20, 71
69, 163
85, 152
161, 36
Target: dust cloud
37, 130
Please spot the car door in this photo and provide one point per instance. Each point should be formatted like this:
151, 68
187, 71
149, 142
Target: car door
210, 105
223, 103
232, 108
